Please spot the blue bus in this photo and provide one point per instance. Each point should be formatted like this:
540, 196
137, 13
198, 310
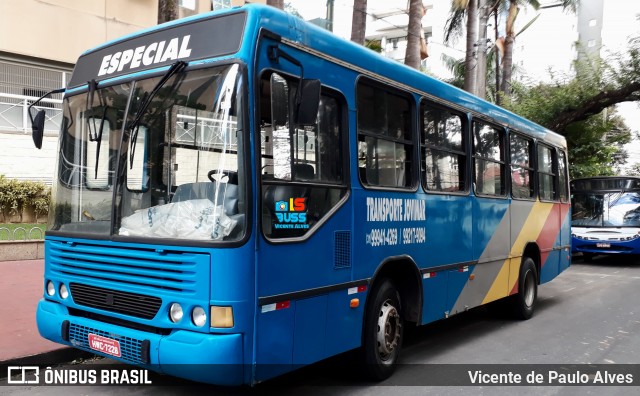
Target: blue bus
605, 216
241, 193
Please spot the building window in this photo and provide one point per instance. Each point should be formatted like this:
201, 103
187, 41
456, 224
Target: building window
591, 43
221, 4
593, 22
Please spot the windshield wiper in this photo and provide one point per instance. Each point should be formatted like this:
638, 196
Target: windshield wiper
133, 126
95, 136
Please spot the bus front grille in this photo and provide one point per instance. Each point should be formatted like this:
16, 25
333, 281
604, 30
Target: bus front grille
132, 304
145, 271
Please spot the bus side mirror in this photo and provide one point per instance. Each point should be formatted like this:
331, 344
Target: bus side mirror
307, 112
37, 128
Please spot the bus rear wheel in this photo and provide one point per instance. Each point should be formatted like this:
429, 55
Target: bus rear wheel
523, 303
383, 332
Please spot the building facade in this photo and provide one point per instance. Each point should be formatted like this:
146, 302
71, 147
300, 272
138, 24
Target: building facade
39, 42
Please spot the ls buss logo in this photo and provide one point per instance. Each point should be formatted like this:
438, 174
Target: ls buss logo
292, 213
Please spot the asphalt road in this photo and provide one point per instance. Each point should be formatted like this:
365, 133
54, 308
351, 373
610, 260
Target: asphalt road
588, 315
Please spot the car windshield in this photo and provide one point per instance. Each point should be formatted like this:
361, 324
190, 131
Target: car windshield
606, 209
152, 159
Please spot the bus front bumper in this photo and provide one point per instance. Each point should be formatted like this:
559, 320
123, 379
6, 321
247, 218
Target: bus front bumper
201, 357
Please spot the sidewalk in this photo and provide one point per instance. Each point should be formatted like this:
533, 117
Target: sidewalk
21, 287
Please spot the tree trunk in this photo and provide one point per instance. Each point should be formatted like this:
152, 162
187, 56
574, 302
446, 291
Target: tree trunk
469, 60
495, 28
507, 61
167, 10
484, 12
412, 56
276, 3
359, 21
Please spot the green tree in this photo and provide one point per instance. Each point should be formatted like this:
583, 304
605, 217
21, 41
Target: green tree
580, 108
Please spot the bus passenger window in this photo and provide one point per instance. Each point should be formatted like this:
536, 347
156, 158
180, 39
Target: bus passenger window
522, 172
562, 177
384, 138
444, 159
489, 164
546, 175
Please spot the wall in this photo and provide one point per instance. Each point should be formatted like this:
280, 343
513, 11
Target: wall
60, 30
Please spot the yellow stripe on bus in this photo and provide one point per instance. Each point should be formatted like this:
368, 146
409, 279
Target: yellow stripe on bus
508, 275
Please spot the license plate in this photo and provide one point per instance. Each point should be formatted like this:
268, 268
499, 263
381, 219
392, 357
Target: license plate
603, 245
104, 345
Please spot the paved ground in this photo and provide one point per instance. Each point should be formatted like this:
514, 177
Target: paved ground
21, 287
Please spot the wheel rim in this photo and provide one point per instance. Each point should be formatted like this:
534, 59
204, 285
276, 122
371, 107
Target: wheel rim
389, 330
529, 289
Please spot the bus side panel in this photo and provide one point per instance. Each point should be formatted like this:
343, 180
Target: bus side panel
458, 280
448, 229
344, 324
565, 237
435, 296
491, 227
549, 256
527, 221
275, 342
309, 330
550, 243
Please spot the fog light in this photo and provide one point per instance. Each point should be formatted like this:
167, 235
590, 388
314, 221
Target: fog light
64, 293
175, 312
221, 316
199, 316
51, 289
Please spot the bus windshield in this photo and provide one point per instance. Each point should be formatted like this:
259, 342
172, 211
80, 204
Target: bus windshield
153, 158
606, 209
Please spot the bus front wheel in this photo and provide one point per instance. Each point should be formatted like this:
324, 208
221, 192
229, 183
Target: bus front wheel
383, 331
523, 303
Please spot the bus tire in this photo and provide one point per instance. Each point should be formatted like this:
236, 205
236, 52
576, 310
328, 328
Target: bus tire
523, 303
383, 332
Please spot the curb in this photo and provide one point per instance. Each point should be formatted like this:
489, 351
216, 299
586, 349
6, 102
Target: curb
50, 358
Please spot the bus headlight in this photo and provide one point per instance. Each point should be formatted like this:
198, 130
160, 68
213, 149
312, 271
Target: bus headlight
64, 292
51, 288
175, 312
199, 316
221, 317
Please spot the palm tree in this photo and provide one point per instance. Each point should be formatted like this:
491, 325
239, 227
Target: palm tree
507, 60
276, 3
414, 34
461, 9
359, 21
